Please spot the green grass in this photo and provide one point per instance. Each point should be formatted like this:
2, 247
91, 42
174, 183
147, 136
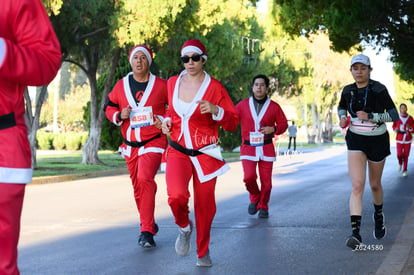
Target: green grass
63, 163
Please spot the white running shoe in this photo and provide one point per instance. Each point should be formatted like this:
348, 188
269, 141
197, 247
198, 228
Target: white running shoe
183, 244
405, 174
399, 168
205, 261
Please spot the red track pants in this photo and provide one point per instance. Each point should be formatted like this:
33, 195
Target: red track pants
11, 203
142, 170
258, 195
178, 174
403, 152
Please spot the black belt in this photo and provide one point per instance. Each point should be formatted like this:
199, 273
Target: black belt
266, 141
189, 152
7, 121
140, 143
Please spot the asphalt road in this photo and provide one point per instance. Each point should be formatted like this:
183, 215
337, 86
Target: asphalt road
90, 226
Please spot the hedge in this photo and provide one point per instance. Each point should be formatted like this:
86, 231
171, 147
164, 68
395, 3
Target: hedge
61, 141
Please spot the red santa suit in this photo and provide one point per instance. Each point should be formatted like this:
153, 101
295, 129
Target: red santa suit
192, 130
263, 155
29, 56
404, 128
143, 146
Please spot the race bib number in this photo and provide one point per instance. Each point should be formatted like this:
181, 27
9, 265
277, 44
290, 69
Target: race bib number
256, 139
141, 117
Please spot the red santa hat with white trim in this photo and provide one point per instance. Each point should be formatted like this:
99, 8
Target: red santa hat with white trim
194, 45
143, 49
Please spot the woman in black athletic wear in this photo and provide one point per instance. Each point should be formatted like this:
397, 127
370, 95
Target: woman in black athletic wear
369, 105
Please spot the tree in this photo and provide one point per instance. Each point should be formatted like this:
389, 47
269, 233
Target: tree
308, 71
85, 31
404, 91
384, 23
111, 136
328, 74
32, 120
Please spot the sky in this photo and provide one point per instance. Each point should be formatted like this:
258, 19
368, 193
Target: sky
382, 68
261, 6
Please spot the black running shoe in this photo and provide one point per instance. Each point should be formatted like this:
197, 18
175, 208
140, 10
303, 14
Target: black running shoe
354, 241
252, 208
146, 239
379, 230
156, 228
264, 214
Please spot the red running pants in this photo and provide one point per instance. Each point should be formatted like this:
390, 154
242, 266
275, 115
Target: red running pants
258, 195
142, 170
179, 171
11, 203
403, 152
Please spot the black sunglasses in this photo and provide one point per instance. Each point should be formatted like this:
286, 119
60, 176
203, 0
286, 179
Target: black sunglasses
195, 58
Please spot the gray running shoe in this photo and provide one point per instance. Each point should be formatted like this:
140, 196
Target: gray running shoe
146, 240
252, 208
183, 244
205, 261
264, 214
354, 241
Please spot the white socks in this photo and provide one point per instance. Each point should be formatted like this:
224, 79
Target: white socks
186, 229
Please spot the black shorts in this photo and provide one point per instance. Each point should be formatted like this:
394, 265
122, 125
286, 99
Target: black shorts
377, 148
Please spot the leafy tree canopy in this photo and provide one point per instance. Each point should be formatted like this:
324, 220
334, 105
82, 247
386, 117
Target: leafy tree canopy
84, 28
52, 6
384, 23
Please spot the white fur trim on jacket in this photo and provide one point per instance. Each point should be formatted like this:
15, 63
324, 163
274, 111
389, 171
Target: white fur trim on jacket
16, 175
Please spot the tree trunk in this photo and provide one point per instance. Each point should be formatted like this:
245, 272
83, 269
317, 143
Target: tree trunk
91, 147
32, 122
312, 136
327, 134
319, 126
303, 114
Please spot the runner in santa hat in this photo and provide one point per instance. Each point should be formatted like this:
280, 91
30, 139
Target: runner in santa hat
404, 128
261, 119
198, 105
137, 104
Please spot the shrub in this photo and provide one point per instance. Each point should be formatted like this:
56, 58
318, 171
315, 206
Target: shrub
111, 137
59, 141
73, 140
44, 140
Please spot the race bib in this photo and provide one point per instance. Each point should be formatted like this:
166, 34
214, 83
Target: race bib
141, 117
256, 139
